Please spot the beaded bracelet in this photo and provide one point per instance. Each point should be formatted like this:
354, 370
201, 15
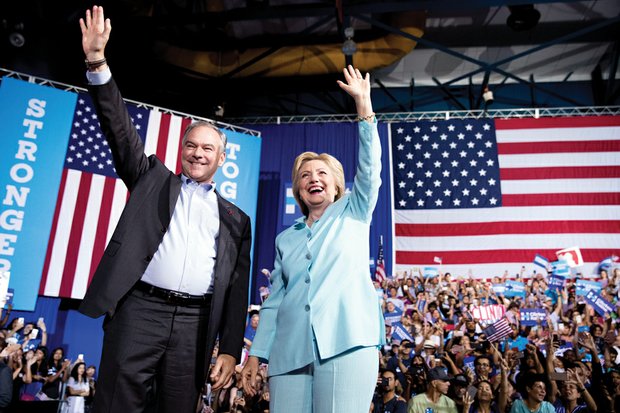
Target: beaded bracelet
95, 63
365, 118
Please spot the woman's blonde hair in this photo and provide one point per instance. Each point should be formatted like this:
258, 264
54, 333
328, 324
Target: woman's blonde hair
332, 163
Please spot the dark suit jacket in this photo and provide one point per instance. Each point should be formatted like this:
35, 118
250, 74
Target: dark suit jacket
154, 191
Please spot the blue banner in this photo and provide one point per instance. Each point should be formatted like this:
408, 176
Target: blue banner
237, 178
35, 122
531, 316
583, 286
600, 305
514, 289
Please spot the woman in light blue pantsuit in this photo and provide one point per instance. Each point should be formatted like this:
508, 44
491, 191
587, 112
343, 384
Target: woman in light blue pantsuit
321, 325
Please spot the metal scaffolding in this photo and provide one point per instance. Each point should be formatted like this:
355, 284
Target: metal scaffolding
75, 89
440, 115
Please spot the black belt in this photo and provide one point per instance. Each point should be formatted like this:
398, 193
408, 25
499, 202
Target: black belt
171, 296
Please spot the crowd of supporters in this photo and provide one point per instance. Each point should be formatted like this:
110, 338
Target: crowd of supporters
460, 345
30, 373
453, 345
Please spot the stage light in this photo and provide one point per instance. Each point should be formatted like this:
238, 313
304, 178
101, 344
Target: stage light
349, 47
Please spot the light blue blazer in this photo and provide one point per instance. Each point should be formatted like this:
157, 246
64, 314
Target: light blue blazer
321, 287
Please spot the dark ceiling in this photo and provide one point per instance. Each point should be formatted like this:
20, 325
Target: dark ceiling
193, 56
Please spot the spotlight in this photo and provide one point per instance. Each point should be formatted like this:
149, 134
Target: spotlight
219, 111
16, 39
349, 47
522, 17
487, 95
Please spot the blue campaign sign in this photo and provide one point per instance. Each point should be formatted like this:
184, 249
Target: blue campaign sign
583, 286
531, 316
499, 288
561, 268
237, 178
556, 282
600, 305
35, 121
393, 317
514, 289
430, 272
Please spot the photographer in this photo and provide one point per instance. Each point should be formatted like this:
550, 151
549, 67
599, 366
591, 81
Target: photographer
401, 361
386, 399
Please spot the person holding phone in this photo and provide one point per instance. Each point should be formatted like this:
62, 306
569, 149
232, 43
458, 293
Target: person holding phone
321, 326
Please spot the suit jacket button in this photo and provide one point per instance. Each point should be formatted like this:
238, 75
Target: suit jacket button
163, 230
307, 307
309, 256
307, 280
148, 258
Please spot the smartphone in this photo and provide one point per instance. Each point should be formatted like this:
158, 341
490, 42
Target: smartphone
563, 376
405, 287
578, 319
21, 320
239, 393
519, 355
80, 356
34, 333
472, 390
40, 320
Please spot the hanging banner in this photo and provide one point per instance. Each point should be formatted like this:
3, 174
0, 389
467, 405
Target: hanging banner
35, 121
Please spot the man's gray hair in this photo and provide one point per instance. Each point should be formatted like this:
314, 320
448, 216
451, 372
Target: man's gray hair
206, 124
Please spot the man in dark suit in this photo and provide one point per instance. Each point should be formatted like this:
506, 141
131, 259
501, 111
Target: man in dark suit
174, 276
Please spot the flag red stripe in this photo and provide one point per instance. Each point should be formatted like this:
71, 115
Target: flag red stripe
508, 227
558, 147
561, 199
75, 236
52, 238
560, 172
493, 256
184, 124
162, 138
568, 122
102, 224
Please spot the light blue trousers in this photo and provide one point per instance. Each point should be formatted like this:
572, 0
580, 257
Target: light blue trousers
341, 384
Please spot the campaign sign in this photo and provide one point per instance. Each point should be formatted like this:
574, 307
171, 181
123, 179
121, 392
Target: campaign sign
560, 267
600, 305
532, 316
583, 286
400, 333
556, 282
514, 289
499, 288
393, 317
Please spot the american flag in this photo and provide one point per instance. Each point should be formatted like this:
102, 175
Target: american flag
488, 195
380, 267
498, 330
91, 196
